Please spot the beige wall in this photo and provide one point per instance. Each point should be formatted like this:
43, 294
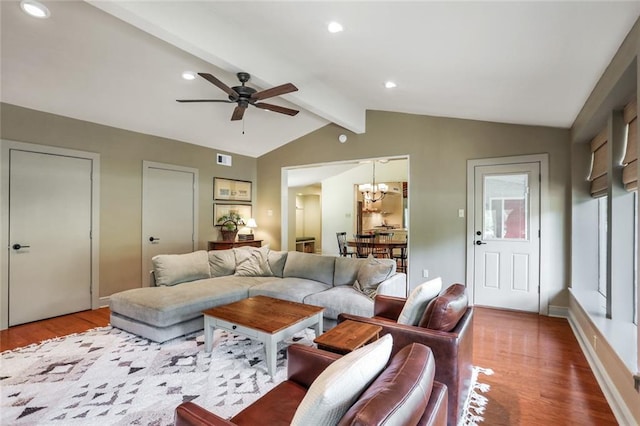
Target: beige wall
121, 155
438, 150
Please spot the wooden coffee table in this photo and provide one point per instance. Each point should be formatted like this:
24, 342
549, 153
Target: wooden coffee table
263, 318
348, 336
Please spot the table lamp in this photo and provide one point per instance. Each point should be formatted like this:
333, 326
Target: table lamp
251, 224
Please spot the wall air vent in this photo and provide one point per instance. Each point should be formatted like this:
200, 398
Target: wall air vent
223, 159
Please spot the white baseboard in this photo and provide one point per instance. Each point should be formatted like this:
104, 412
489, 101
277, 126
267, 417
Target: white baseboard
103, 302
620, 410
558, 311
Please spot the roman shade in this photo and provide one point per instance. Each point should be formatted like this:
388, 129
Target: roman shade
630, 161
599, 164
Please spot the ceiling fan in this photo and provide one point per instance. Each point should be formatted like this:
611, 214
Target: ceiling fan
245, 95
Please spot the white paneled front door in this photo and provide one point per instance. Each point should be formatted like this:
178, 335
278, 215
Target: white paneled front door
506, 270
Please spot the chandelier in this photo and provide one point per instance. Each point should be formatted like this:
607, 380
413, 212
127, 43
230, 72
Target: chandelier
372, 192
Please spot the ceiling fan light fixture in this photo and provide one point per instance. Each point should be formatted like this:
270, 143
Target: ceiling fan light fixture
189, 75
245, 96
334, 27
35, 9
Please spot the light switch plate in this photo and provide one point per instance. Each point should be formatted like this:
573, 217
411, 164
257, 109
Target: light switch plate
460, 212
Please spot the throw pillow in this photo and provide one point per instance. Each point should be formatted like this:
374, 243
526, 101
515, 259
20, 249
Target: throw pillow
276, 261
372, 273
444, 312
171, 269
222, 262
418, 300
341, 383
252, 262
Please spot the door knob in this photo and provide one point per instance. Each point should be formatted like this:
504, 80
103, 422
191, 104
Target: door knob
18, 246
479, 243
152, 239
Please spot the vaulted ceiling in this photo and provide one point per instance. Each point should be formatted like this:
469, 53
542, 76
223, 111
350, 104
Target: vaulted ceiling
119, 63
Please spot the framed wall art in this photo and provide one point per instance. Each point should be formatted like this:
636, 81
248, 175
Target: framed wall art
239, 213
231, 189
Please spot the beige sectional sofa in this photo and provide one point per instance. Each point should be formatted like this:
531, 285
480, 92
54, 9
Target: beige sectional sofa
185, 285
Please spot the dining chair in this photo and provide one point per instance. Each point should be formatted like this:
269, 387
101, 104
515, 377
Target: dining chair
400, 256
383, 237
364, 244
342, 245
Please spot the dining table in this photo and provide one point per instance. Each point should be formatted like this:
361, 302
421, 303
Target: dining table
391, 244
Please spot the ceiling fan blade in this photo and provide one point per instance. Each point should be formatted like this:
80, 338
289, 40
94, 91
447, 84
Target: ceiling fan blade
277, 108
238, 113
274, 91
211, 79
204, 100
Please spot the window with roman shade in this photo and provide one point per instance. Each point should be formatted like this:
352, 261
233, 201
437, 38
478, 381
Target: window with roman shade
630, 161
599, 164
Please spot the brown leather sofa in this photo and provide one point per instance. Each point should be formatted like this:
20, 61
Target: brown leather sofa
384, 398
446, 327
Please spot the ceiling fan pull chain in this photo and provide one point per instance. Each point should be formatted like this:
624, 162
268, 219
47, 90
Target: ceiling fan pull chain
243, 125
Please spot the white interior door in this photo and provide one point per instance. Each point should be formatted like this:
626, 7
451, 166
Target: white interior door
50, 200
169, 213
507, 236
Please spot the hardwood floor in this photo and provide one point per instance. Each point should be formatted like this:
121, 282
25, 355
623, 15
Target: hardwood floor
541, 376
34, 332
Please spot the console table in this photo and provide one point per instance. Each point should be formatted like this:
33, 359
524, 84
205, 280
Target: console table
225, 245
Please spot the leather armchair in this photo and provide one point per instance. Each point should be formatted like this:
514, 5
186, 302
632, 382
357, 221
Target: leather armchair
452, 349
381, 400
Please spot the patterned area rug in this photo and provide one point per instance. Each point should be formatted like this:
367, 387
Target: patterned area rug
107, 376
476, 403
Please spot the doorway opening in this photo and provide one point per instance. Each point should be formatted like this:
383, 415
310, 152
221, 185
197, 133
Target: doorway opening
336, 185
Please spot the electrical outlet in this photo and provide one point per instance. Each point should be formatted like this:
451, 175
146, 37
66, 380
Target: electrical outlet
425, 273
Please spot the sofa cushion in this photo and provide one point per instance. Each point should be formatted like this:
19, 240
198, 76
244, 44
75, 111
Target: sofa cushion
310, 266
372, 273
292, 289
418, 300
346, 271
400, 394
168, 305
344, 298
341, 383
444, 312
222, 262
277, 261
170, 269
252, 262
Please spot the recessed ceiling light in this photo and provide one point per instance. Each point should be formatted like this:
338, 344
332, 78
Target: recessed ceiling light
35, 9
390, 84
189, 75
334, 27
